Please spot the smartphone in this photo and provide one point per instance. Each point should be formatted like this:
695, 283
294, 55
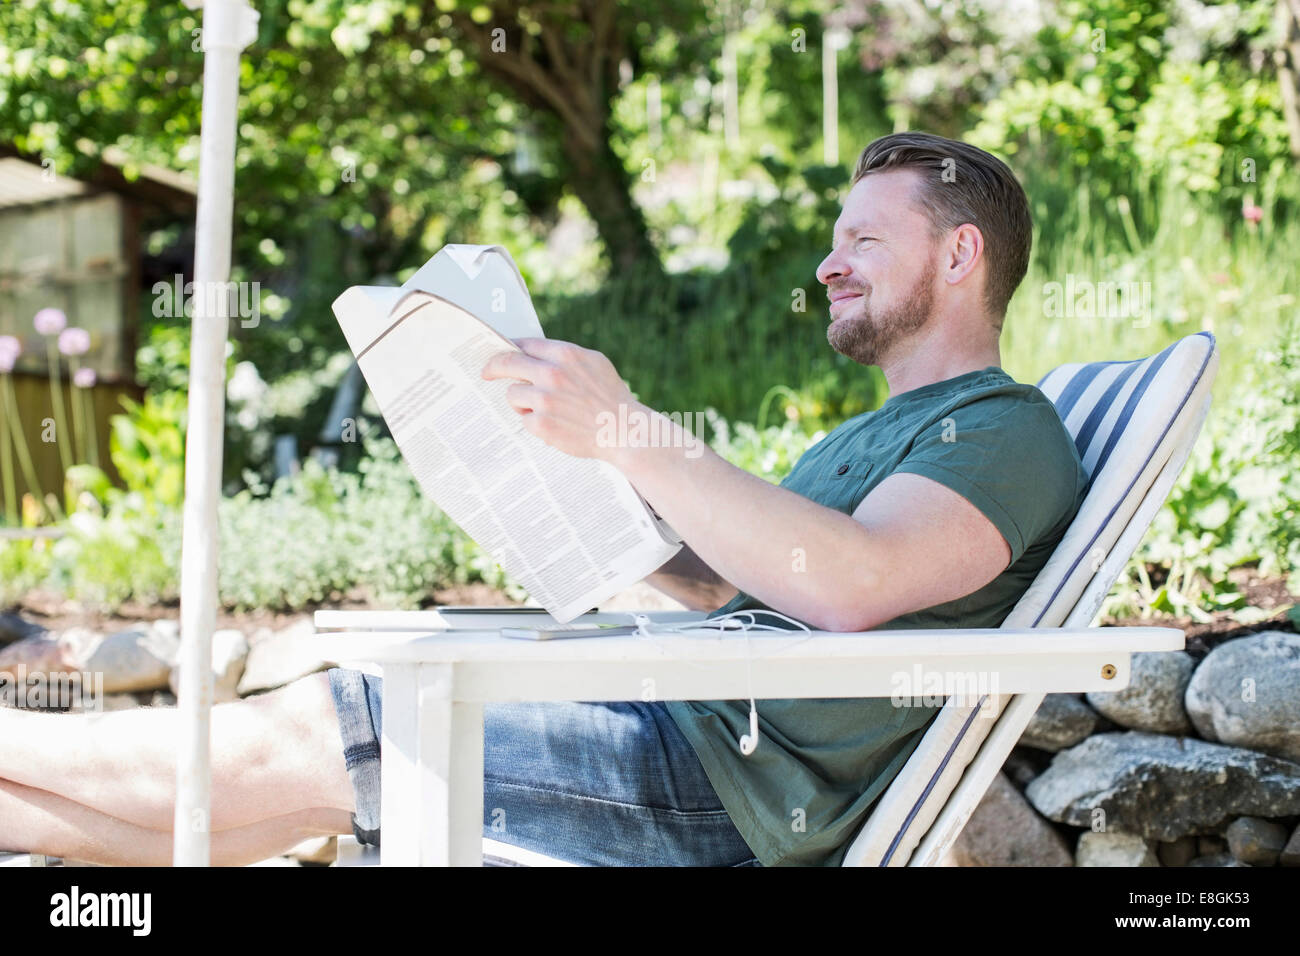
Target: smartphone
555, 632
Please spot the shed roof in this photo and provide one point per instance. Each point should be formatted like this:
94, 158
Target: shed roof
24, 181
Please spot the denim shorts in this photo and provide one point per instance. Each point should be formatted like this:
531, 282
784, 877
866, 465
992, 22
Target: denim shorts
599, 784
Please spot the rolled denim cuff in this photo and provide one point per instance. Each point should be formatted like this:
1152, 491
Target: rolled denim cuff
356, 698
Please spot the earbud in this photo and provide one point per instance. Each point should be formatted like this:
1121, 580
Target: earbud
749, 741
735, 620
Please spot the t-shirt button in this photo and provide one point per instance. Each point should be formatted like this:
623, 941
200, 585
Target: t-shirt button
842, 469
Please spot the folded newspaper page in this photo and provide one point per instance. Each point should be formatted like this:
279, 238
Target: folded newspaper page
572, 531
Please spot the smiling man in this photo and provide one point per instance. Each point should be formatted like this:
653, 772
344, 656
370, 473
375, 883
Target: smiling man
936, 510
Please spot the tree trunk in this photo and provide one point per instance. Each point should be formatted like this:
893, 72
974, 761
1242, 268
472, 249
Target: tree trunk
1287, 58
574, 80
599, 180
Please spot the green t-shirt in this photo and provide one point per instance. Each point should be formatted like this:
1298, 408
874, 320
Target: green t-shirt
820, 764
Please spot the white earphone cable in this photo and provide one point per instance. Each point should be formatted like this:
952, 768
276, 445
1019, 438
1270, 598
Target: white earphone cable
728, 622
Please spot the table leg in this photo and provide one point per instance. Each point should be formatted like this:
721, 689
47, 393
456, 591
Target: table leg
432, 810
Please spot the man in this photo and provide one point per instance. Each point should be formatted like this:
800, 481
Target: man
936, 510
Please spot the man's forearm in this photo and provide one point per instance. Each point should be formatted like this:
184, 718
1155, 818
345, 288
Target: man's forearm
685, 578
791, 553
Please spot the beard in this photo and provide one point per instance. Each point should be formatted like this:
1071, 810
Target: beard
868, 337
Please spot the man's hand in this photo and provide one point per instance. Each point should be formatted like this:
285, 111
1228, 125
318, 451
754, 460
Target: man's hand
567, 394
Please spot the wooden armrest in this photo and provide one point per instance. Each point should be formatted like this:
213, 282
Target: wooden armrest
704, 664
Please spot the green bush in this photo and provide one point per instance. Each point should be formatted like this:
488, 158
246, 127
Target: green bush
1237, 502
132, 552
148, 447
24, 565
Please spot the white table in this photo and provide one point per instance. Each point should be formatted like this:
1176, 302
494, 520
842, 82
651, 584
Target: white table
436, 683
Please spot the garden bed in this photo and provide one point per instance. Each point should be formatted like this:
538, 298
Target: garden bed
54, 613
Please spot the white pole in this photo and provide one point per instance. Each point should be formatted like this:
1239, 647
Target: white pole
730, 93
833, 40
228, 27
654, 113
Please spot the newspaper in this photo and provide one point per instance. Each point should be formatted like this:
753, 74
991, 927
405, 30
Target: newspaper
572, 531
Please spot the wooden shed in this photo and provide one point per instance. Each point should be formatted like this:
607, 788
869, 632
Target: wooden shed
76, 245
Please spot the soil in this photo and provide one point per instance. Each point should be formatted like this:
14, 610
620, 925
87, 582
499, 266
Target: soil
54, 613
1269, 593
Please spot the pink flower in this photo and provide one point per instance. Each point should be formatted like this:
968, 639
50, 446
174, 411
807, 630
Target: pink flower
74, 341
84, 378
1252, 212
10, 349
50, 321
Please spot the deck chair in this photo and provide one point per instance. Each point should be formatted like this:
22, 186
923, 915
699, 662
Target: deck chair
1134, 424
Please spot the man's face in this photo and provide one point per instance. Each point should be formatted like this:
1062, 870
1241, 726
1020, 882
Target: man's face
880, 275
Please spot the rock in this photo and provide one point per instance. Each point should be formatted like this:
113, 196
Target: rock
1221, 859
1113, 849
1020, 768
44, 671
1162, 787
1247, 693
1062, 720
277, 658
229, 652
1291, 852
37, 653
1178, 852
1153, 700
1255, 841
106, 703
139, 658
1005, 831
14, 627
318, 850
1211, 846
162, 698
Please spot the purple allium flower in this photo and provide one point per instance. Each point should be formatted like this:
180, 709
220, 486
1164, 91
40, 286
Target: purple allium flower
50, 321
84, 378
74, 341
10, 349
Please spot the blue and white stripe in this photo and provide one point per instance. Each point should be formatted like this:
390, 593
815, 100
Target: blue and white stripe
1096, 401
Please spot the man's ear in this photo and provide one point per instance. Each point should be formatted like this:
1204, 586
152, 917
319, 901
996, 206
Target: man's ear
963, 253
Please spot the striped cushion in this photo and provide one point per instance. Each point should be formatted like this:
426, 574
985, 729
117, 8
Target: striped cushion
1097, 401
1126, 418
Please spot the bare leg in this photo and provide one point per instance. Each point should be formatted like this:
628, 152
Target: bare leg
42, 822
272, 755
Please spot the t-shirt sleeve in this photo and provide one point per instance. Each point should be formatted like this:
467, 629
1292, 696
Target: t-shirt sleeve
1011, 459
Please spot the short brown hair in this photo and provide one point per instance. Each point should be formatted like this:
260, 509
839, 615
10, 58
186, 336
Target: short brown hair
964, 184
